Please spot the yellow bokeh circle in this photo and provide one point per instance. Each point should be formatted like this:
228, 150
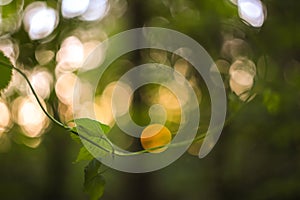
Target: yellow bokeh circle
154, 138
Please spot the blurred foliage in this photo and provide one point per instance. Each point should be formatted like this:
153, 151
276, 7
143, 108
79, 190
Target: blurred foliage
257, 155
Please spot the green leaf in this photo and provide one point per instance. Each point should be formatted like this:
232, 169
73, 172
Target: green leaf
94, 182
5, 71
91, 169
74, 137
92, 134
95, 128
84, 155
99, 148
95, 187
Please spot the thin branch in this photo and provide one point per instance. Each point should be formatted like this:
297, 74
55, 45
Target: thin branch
35, 95
112, 151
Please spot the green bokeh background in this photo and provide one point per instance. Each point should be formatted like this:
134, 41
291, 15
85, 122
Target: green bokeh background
258, 153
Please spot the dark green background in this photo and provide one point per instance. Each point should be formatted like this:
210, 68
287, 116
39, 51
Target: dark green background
257, 155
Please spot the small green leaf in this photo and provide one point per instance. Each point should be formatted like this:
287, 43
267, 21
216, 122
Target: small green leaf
95, 128
83, 155
4, 59
92, 134
95, 187
98, 147
94, 182
74, 137
5, 71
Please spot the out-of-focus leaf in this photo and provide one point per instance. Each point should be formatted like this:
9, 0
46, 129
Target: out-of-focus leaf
94, 182
91, 170
271, 100
95, 187
5, 72
83, 155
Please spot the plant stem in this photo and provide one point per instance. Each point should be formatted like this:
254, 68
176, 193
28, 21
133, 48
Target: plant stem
35, 95
50, 116
112, 151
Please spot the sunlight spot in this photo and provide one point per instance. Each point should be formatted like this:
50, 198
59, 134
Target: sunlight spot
42, 82
5, 117
252, 12
92, 62
223, 66
65, 112
30, 116
173, 102
85, 110
97, 9
39, 20
168, 103
242, 77
242, 73
71, 54
64, 88
90, 46
18, 84
74, 8
155, 135
122, 97
234, 48
103, 110
169, 99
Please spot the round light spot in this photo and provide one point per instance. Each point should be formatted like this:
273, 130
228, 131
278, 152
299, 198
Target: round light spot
30, 116
71, 54
96, 10
242, 73
252, 12
42, 82
5, 117
39, 20
155, 136
74, 8
64, 88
